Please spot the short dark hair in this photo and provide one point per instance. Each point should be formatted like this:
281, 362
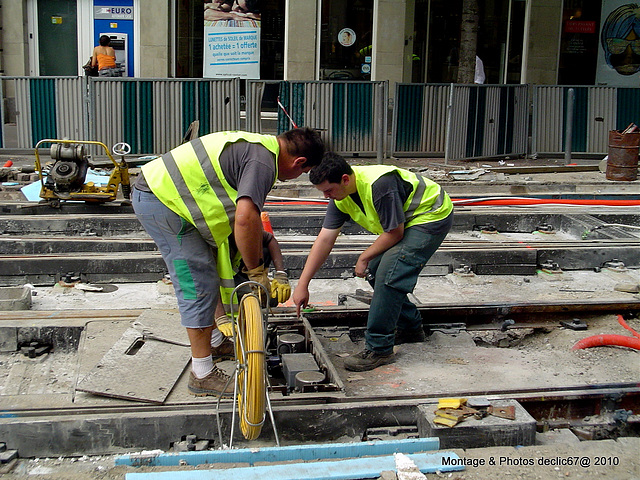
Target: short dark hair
304, 142
105, 40
331, 169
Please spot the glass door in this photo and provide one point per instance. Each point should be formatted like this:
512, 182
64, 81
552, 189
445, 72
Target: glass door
346, 40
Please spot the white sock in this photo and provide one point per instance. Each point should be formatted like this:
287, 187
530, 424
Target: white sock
216, 337
202, 367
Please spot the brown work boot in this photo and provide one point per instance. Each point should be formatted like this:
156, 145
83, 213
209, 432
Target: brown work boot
367, 360
216, 384
224, 351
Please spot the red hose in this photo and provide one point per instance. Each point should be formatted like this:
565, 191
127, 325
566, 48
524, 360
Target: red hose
601, 340
625, 325
502, 201
546, 201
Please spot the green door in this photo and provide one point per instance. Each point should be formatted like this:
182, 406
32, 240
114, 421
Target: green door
57, 37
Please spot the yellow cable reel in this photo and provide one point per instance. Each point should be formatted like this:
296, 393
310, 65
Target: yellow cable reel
250, 349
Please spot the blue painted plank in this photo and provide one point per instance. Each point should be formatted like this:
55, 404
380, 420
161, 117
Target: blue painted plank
282, 454
356, 468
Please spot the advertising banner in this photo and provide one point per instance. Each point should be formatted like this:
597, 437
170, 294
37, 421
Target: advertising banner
231, 39
619, 52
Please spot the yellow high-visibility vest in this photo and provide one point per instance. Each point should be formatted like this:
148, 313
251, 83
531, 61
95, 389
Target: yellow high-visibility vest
190, 182
427, 202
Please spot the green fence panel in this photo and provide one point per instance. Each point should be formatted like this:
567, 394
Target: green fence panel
43, 109
628, 107
409, 100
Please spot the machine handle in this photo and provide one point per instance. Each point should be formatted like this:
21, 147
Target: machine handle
121, 148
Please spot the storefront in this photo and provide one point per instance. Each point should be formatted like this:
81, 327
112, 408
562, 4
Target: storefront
577, 42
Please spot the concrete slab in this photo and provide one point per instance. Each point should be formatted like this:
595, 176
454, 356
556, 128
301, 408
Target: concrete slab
490, 431
15, 298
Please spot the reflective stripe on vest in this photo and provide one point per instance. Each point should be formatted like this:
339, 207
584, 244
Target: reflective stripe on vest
427, 202
190, 182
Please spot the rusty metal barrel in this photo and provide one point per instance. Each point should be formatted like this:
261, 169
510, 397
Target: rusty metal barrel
622, 164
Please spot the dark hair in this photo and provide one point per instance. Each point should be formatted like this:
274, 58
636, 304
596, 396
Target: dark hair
332, 168
105, 40
304, 142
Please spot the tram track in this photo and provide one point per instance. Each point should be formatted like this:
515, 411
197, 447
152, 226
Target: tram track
39, 247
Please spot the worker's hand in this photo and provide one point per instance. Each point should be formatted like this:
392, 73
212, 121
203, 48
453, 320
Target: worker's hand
259, 275
280, 287
361, 267
223, 323
300, 298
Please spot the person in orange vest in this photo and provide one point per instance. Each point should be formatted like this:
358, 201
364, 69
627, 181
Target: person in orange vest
104, 57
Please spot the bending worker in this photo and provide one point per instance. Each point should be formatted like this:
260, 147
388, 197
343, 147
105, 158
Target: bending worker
191, 201
411, 214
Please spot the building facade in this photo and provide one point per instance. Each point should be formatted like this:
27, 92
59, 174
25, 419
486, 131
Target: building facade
401, 41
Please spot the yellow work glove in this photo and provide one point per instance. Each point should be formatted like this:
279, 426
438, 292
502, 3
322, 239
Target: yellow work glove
280, 287
224, 325
259, 275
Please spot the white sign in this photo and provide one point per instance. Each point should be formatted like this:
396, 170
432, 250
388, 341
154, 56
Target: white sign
619, 45
346, 37
113, 13
231, 52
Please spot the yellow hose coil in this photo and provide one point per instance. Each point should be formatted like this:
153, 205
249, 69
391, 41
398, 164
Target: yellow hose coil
252, 374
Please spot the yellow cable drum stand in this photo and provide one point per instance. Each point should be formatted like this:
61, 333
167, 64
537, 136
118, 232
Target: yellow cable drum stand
251, 381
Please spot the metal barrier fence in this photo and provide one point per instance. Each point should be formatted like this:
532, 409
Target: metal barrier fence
441, 120
153, 115
460, 121
597, 110
351, 115
150, 115
50, 107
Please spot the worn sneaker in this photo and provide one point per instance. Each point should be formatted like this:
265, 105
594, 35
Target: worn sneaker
216, 384
409, 336
367, 360
224, 351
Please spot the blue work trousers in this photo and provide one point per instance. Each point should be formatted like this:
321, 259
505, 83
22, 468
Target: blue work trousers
191, 261
395, 274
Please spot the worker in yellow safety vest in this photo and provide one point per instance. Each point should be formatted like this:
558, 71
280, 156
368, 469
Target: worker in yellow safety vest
411, 214
200, 203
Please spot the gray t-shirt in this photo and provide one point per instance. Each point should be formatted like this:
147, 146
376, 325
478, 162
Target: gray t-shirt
248, 167
389, 193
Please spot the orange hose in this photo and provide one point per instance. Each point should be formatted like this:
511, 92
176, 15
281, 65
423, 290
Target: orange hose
602, 340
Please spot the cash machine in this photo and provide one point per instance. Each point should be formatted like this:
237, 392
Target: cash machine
119, 42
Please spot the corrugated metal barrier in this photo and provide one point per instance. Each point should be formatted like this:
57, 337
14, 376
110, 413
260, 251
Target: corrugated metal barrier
460, 121
441, 120
597, 110
153, 115
350, 115
150, 115
45, 107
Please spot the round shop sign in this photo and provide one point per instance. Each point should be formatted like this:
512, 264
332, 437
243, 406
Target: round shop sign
346, 37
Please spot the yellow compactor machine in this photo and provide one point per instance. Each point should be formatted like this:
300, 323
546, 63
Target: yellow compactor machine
65, 180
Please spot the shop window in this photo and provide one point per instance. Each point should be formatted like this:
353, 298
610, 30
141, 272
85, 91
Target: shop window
190, 38
579, 42
346, 40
